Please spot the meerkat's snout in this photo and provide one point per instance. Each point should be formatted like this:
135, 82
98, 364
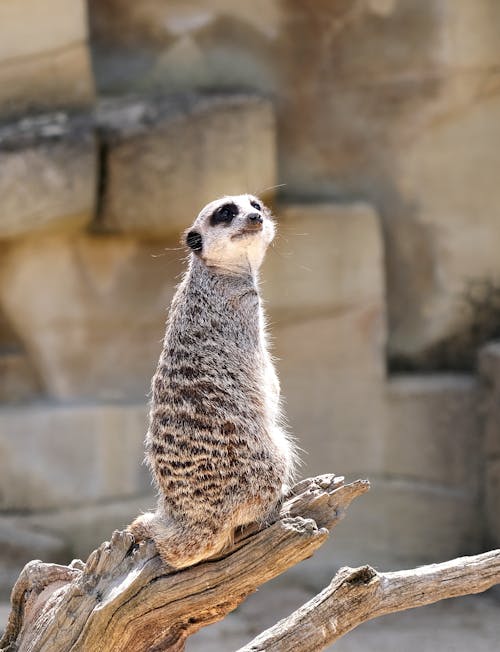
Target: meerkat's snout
255, 221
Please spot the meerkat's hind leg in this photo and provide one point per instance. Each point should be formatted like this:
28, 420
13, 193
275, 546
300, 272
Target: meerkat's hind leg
142, 527
181, 544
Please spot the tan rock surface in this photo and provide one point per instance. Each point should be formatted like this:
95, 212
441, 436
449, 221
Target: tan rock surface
401, 524
327, 258
332, 379
323, 282
167, 160
174, 45
18, 381
54, 79
458, 220
53, 456
395, 102
434, 432
489, 366
47, 174
95, 319
44, 58
85, 527
20, 543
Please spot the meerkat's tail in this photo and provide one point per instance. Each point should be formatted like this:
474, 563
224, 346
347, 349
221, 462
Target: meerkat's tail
181, 545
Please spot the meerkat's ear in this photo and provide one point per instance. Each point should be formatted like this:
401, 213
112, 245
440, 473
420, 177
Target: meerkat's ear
194, 241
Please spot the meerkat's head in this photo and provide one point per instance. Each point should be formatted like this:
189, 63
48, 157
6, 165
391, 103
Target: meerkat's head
232, 233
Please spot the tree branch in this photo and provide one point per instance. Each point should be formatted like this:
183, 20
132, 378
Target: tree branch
124, 598
357, 595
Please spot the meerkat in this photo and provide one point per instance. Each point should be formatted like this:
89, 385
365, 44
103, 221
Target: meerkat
216, 447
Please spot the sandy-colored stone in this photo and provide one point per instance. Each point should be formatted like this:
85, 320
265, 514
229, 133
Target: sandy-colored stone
173, 45
489, 368
459, 229
60, 78
44, 57
407, 122
396, 102
95, 317
68, 455
324, 288
165, 161
18, 381
19, 543
492, 496
327, 258
33, 26
401, 524
205, 43
471, 30
84, 528
332, 374
47, 174
433, 430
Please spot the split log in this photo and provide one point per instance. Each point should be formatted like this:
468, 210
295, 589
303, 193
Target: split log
125, 598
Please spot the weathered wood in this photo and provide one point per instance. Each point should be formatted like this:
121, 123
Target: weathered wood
124, 598
357, 595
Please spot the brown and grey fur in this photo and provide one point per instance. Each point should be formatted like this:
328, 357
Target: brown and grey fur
215, 446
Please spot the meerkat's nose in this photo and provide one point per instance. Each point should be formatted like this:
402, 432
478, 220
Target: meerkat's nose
254, 218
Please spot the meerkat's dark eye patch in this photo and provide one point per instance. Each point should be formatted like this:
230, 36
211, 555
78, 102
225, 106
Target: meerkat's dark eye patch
256, 205
194, 241
225, 214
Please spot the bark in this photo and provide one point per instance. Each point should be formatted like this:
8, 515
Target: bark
125, 598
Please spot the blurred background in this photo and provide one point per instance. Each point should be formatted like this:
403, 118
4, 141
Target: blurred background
372, 128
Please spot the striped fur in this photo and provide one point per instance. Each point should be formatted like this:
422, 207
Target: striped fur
217, 452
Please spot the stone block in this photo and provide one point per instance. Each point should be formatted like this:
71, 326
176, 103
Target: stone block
398, 525
84, 528
55, 79
44, 58
489, 370
171, 45
47, 174
53, 456
166, 160
444, 269
471, 33
433, 431
492, 495
90, 311
323, 282
332, 379
34, 26
326, 258
18, 381
20, 543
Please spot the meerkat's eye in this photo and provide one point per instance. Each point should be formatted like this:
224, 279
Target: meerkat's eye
256, 205
224, 214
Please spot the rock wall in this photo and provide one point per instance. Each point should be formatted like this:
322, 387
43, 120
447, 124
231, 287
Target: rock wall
392, 101
380, 118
